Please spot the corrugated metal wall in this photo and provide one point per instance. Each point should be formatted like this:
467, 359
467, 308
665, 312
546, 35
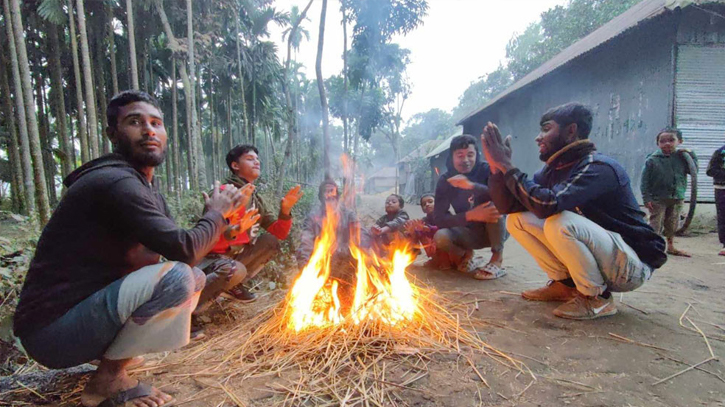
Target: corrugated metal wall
700, 105
628, 82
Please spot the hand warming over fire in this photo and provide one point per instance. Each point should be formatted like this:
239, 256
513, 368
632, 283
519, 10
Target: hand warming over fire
289, 200
486, 212
497, 151
461, 181
377, 230
226, 200
240, 224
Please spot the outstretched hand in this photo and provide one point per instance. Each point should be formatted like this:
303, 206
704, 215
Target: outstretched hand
496, 149
289, 200
460, 181
486, 212
225, 201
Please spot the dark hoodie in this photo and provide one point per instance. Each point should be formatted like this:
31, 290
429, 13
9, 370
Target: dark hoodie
110, 222
462, 200
579, 179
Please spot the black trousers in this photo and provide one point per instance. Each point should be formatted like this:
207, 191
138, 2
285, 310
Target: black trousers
720, 207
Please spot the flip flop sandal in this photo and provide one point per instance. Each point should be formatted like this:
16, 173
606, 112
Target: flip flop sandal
490, 272
122, 397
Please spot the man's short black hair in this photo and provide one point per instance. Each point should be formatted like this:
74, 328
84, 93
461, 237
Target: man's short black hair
400, 199
670, 130
426, 195
462, 142
325, 183
238, 151
125, 98
570, 113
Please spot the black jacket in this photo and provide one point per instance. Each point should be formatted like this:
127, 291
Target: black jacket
716, 167
581, 180
462, 200
110, 222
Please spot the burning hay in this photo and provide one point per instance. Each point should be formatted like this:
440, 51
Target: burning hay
347, 337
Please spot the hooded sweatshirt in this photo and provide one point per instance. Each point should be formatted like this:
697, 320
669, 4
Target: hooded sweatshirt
579, 179
462, 200
110, 222
716, 168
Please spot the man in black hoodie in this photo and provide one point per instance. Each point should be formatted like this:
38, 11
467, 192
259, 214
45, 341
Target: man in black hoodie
477, 223
577, 216
95, 288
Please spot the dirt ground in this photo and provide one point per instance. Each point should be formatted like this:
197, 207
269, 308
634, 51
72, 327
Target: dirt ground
575, 363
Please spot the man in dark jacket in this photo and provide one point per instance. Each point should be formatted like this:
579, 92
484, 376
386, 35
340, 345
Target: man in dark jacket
716, 170
95, 288
577, 217
476, 223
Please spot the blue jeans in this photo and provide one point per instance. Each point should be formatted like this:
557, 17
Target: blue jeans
146, 311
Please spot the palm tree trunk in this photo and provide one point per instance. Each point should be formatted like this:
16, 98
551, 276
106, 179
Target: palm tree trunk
100, 82
18, 188
241, 79
82, 128
212, 132
175, 131
199, 151
345, 134
26, 159
191, 128
57, 84
132, 44
45, 142
323, 95
88, 79
112, 49
291, 118
41, 195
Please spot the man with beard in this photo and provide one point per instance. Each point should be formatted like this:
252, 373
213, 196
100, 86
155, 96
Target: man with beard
577, 216
476, 223
95, 288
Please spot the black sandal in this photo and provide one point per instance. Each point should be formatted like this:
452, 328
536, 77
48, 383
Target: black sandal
122, 397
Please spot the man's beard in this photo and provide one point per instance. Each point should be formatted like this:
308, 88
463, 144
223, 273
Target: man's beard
560, 143
143, 158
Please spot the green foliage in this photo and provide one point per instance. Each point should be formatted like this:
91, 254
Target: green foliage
431, 125
52, 10
560, 27
482, 90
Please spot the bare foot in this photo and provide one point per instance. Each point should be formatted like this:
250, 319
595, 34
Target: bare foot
676, 252
722, 252
110, 379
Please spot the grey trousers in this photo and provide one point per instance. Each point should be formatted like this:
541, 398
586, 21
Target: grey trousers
569, 245
146, 311
457, 240
224, 272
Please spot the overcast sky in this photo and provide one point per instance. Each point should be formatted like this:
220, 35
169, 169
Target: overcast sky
459, 41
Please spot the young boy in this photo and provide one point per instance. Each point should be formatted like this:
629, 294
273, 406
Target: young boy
716, 170
423, 230
664, 182
390, 225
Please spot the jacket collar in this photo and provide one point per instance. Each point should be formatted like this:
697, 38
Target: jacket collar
571, 153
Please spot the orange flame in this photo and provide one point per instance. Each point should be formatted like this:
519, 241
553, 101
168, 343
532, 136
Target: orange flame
381, 292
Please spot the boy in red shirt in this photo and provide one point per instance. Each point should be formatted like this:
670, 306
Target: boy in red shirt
237, 257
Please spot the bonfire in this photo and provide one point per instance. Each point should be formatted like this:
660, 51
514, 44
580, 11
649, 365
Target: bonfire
348, 333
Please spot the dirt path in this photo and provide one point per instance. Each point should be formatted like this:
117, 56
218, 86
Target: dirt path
576, 363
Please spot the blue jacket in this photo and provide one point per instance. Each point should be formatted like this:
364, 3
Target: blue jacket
581, 180
462, 200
